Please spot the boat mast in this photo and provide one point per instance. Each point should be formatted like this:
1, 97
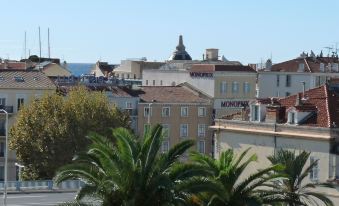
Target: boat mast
49, 46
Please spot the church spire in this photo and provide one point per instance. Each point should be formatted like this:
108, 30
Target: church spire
180, 53
181, 46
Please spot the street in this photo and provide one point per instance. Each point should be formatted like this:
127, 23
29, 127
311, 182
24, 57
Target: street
38, 199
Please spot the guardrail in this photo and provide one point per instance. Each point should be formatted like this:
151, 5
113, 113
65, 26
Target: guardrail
42, 185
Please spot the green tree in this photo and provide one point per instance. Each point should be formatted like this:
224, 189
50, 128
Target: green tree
132, 171
291, 189
50, 130
230, 187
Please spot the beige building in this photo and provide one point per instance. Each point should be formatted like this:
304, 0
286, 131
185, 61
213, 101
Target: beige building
132, 69
183, 112
103, 69
307, 121
18, 88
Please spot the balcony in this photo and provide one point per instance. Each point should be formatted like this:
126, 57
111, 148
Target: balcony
8, 109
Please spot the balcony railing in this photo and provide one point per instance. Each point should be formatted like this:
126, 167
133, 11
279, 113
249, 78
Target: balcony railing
8, 109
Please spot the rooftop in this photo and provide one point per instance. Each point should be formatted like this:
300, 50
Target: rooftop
221, 68
310, 65
18, 79
171, 94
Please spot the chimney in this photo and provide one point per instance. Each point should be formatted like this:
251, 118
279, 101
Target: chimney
274, 112
212, 54
298, 100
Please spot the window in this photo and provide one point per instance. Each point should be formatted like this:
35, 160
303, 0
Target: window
288, 80
201, 130
146, 128
146, 82
247, 88
127, 76
147, 111
202, 111
223, 87
314, 173
3, 101
2, 127
20, 103
134, 76
153, 82
19, 79
288, 94
165, 130
201, 146
255, 113
165, 112
122, 76
2, 173
184, 111
160, 82
129, 105
2, 149
183, 130
278, 80
165, 146
235, 87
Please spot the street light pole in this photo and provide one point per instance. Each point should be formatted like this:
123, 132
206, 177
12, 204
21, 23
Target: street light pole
6, 158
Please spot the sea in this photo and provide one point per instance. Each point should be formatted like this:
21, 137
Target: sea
78, 69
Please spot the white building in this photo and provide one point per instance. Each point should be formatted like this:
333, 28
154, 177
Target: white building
300, 122
289, 77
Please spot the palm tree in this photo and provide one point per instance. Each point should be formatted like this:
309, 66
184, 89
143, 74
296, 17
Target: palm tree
229, 186
291, 189
132, 171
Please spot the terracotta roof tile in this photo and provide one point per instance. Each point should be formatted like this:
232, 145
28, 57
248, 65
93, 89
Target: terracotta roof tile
220, 67
17, 79
171, 94
310, 64
324, 101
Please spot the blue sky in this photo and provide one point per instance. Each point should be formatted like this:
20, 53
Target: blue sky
247, 31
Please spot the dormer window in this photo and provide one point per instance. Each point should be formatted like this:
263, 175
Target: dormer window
255, 113
291, 117
19, 79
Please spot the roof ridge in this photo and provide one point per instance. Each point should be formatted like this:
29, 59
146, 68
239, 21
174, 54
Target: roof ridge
308, 66
327, 108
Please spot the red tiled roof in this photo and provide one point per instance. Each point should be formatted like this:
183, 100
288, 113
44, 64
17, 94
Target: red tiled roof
170, 94
310, 64
17, 79
322, 100
13, 65
220, 67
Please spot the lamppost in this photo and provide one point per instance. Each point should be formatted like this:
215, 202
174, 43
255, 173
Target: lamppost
6, 158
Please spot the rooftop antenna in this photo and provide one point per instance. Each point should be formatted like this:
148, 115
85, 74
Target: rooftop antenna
271, 56
49, 46
329, 50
